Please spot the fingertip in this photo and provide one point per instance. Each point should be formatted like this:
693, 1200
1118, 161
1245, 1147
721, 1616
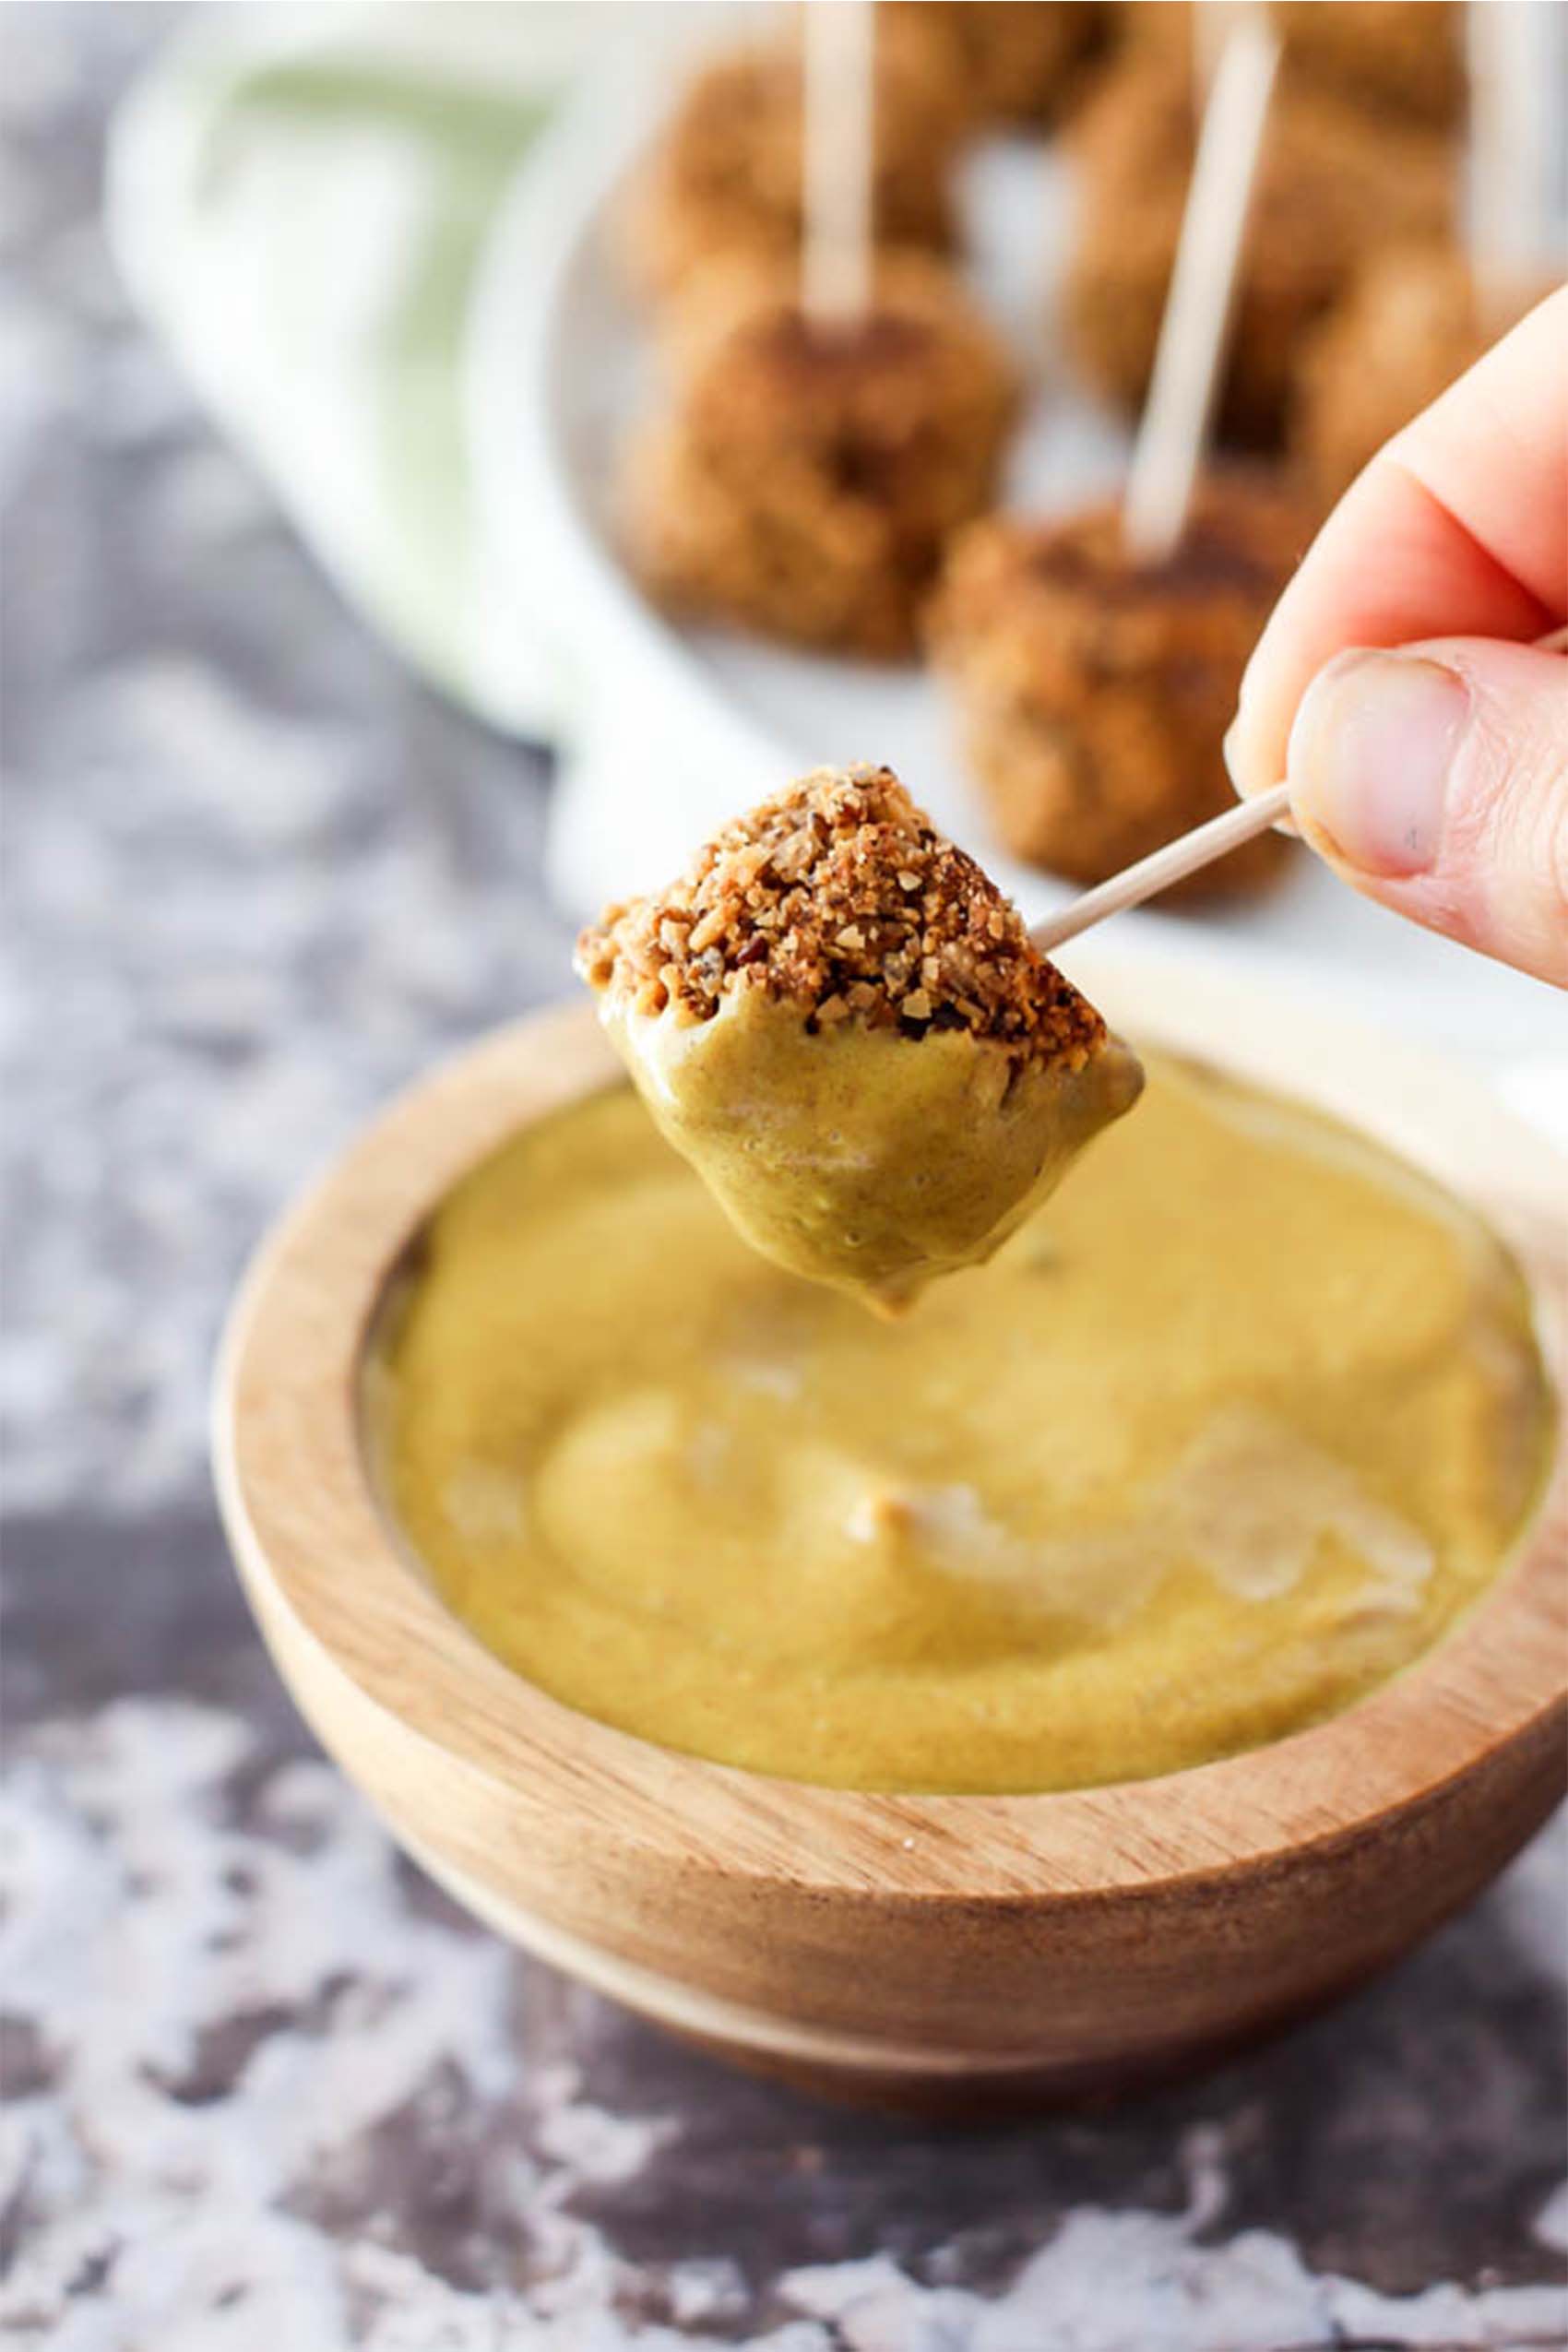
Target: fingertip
1434, 779
1250, 764
1370, 757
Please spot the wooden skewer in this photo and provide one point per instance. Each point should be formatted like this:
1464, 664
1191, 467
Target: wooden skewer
837, 240
1213, 23
1188, 852
1162, 867
1197, 309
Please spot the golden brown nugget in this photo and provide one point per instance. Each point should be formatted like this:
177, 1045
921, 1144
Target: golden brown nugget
1403, 58
1093, 692
801, 481
725, 175
1330, 189
839, 1020
1410, 323
1021, 62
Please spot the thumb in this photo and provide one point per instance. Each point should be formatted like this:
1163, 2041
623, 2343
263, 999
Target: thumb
1435, 780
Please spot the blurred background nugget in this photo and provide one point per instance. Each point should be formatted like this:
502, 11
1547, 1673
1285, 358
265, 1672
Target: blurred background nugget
802, 477
1412, 322
1330, 186
725, 174
1093, 691
1399, 57
1013, 62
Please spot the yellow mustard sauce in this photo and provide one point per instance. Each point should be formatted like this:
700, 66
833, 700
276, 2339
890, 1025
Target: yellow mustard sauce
1230, 1432
852, 1156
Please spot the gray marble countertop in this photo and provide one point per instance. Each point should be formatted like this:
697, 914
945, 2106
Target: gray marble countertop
265, 2088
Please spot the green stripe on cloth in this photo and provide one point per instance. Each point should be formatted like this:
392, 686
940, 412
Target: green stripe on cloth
299, 200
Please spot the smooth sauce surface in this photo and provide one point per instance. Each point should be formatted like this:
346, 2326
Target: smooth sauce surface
1225, 1436
855, 1158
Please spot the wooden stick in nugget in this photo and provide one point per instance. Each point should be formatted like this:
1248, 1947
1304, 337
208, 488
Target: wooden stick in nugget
836, 241
1197, 312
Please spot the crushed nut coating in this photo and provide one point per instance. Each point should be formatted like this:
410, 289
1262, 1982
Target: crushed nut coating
840, 895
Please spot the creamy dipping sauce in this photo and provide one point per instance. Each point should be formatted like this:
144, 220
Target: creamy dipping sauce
1227, 1435
857, 1156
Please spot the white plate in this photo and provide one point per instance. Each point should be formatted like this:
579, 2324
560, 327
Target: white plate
669, 731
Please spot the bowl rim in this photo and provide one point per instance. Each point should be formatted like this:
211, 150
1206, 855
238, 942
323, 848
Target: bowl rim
309, 1533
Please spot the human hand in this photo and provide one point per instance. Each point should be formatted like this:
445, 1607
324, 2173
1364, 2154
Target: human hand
1433, 775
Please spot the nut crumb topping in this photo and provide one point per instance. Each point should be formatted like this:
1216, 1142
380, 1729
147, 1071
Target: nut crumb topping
840, 895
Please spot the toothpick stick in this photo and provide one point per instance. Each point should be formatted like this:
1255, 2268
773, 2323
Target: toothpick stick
1197, 309
1213, 23
1185, 855
1163, 867
1515, 69
837, 244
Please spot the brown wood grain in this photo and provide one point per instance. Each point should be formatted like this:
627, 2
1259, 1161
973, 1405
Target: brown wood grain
902, 1947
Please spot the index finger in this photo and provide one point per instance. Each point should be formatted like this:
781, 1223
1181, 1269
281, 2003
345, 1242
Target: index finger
1460, 527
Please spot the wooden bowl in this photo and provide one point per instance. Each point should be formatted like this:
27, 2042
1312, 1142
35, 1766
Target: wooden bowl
940, 1951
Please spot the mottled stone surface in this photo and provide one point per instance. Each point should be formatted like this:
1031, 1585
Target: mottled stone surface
267, 2091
